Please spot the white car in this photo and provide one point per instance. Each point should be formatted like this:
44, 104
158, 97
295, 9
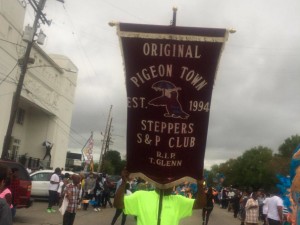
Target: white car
40, 182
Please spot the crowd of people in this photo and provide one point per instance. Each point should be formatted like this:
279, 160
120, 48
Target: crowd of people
93, 190
252, 207
81, 191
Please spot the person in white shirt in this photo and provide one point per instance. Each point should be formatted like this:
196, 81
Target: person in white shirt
53, 187
265, 209
275, 208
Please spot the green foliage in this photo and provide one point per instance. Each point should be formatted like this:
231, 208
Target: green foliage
112, 163
250, 171
256, 167
108, 167
286, 149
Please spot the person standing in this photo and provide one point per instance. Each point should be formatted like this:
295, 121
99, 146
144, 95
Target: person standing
5, 192
53, 187
207, 209
98, 192
120, 211
81, 186
72, 194
260, 198
5, 210
243, 201
275, 210
145, 204
230, 196
89, 186
236, 203
265, 209
252, 210
61, 189
106, 192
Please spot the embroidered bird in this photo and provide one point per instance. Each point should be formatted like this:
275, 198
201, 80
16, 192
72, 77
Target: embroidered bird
168, 99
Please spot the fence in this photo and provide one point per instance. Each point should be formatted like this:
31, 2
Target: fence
31, 162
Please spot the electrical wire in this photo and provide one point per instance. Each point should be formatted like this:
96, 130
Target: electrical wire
82, 50
44, 66
8, 79
8, 74
12, 43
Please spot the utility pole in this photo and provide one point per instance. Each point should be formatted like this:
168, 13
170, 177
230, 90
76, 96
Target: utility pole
107, 142
108, 137
104, 140
24, 62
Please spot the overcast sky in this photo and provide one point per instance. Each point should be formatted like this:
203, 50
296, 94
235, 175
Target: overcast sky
256, 94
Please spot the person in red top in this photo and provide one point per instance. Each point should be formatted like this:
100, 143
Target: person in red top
5, 192
72, 193
5, 199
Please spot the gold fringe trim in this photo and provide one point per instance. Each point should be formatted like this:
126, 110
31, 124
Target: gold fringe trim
163, 186
176, 37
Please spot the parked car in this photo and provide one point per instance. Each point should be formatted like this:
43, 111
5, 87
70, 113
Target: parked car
24, 191
40, 182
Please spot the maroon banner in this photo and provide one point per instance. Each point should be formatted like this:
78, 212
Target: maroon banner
170, 73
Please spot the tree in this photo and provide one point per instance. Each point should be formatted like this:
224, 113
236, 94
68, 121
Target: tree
251, 170
282, 160
107, 167
112, 163
287, 148
257, 167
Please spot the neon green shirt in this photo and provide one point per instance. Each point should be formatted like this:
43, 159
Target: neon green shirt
144, 205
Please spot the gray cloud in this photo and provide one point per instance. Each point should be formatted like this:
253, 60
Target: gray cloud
256, 95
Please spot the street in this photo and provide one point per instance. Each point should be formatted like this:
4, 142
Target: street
37, 215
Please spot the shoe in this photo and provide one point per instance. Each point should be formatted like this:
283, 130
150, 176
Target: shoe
99, 209
49, 211
53, 210
96, 210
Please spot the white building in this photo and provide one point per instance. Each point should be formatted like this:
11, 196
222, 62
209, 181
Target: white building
47, 97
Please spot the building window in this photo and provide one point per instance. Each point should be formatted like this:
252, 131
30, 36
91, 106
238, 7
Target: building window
20, 116
15, 148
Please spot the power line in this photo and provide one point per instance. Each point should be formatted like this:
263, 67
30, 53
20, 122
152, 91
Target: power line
8, 79
67, 70
8, 73
80, 44
120, 9
13, 43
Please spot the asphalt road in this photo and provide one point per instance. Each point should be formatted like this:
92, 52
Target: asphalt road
37, 215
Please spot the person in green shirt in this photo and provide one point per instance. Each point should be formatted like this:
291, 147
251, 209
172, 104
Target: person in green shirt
145, 204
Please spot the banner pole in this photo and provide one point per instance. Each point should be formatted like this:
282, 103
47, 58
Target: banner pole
173, 22
82, 154
161, 195
161, 192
